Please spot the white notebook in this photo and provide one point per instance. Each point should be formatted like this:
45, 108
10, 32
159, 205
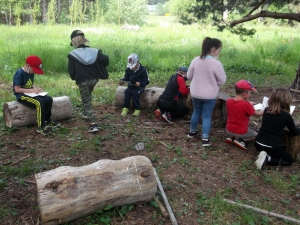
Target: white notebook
264, 104
34, 94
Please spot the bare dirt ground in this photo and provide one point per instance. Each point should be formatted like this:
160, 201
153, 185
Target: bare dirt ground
186, 169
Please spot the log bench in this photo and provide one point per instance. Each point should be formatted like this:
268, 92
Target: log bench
292, 143
149, 97
17, 115
68, 193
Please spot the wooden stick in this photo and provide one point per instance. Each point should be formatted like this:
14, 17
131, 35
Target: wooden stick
162, 208
163, 143
172, 217
21, 159
262, 211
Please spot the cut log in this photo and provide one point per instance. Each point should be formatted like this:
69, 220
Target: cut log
148, 98
68, 193
17, 115
292, 143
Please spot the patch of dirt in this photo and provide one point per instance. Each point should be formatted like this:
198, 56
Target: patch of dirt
185, 167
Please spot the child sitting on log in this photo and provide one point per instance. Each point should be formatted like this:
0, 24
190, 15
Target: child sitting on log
23, 83
167, 103
137, 78
239, 110
275, 118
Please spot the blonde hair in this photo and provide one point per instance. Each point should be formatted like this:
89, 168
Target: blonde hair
79, 40
280, 100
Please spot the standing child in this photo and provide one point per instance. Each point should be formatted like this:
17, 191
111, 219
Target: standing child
86, 66
239, 110
137, 77
268, 141
23, 83
206, 74
168, 106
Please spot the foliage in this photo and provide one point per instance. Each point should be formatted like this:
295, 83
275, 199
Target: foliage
160, 9
52, 12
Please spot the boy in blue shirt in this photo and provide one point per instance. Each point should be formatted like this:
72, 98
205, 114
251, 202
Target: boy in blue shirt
23, 83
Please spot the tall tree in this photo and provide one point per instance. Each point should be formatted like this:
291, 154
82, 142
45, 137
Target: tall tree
52, 12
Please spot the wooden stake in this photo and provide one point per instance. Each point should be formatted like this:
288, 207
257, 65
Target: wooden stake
262, 211
21, 159
162, 208
172, 217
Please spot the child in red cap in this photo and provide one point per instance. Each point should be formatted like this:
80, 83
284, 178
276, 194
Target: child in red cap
23, 83
239, 110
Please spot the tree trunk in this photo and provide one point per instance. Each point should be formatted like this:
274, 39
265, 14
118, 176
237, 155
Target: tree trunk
44, 11
58, 11
68, 193
17, 115
292, 143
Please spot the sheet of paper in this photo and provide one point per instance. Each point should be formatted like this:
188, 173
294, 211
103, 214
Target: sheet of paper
265, 102
34, 94
292, 108
257, 106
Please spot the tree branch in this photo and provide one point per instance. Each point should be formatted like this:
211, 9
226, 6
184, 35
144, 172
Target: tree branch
256, 7
274, 15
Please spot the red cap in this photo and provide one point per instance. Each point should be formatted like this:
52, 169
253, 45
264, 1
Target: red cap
245, 84
35, 63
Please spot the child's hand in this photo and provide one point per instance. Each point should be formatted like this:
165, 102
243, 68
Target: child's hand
137, 84
37, 90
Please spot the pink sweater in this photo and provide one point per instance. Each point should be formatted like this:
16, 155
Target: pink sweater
206, 76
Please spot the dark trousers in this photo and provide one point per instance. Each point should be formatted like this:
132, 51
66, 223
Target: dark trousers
43, 106
279, 156
176, 110
134, 93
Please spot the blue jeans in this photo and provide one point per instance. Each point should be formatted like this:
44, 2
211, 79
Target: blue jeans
204, 108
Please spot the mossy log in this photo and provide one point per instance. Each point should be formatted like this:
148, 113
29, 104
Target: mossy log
68, 193
17, 115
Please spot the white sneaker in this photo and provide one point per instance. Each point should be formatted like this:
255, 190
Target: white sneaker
261, 160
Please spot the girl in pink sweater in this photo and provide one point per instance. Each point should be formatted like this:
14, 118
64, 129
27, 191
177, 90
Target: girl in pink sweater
206, 74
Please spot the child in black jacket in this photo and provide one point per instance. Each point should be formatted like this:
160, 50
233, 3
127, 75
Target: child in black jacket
137, 77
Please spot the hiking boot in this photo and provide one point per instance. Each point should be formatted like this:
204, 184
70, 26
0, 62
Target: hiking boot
83, 116
206, 142
167, 117
43, 130
92, 128
261, 160
157, 114
229, 140
136, 112
52, 124
240, 143
192, 134
124, 112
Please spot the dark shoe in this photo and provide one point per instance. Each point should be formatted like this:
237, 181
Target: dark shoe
93, 128
229, 140
192, 134
43, 130
240, 143
206, 142
261, 160
52, 124
157, 114
167, 117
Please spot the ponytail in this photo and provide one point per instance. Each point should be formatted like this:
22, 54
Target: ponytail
208, 44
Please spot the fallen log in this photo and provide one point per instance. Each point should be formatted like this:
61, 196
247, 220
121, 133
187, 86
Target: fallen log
68, 193
292, 143
17, 115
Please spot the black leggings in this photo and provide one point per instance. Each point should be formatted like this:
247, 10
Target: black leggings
176, 110
279, 156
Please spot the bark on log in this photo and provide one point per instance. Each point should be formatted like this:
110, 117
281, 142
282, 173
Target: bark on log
68, 193
17, 115
292, 143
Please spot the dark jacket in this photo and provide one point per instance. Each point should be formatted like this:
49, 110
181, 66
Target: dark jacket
140, 75
87, 63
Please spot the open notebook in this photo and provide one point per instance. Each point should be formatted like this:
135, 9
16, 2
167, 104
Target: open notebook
34, 94
264, 104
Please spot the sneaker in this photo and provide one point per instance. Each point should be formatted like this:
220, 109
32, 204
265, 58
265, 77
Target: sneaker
167, 117
83, 115
93, 128
136, 112
240, 143
206, 142
157, 114
43, 130
124, 112
52, 124
192, 134
229, 140
261, 160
